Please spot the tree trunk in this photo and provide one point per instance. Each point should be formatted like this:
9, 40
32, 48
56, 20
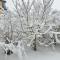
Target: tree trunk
34, 44
54, 39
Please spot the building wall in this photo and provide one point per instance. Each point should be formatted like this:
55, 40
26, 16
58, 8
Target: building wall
1, 8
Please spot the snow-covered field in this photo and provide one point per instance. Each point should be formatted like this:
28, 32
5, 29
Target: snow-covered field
42, 54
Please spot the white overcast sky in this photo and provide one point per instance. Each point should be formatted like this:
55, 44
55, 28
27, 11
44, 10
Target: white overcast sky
56, 4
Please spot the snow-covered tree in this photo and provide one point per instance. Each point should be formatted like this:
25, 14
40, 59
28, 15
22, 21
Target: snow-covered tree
34, 22
33, 17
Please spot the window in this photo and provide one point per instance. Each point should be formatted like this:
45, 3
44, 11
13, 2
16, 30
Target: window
4, 4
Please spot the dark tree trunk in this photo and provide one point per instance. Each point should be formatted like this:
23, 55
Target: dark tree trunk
54, 39
34, 44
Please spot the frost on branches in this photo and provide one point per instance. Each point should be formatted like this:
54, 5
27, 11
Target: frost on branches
33, 22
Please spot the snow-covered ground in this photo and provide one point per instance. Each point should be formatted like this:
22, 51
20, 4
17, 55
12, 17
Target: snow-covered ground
43, 53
